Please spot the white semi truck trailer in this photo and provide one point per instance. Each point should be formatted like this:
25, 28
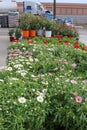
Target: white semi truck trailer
9, 17
36, 8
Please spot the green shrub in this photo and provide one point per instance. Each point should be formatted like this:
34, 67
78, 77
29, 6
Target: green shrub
29, 21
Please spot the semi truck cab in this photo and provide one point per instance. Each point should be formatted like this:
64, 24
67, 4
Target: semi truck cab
33, 7
37, 9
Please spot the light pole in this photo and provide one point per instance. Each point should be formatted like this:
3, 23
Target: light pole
54, 9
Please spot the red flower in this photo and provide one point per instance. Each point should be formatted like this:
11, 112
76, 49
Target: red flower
15, 40
76, 44
31, 41
60, 40
85, 48
70, 36
67, 43
59, 36
46, 42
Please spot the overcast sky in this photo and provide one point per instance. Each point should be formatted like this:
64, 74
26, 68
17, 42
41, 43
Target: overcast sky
57, 1
65, 1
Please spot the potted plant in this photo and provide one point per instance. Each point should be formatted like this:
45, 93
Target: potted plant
48, 28
25, 25
41, 25
33, 25
11, 34
17, 33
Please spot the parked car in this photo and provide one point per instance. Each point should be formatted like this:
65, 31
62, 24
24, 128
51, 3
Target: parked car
59, 20
67, 20
48, 14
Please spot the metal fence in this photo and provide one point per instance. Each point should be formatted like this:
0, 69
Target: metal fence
77, 19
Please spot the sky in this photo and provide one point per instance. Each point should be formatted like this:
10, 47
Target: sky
57, 1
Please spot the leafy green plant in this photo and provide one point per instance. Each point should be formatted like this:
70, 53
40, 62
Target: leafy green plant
17, 33
48, 24
24, 22
11, 32
30, 21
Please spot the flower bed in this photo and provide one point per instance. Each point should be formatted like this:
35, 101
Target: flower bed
44, 86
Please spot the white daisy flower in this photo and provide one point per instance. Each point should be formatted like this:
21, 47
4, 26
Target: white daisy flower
36, 60
1, 80
14, 78
45, 83
9, 68
23, 74
18, 65
28, 63
40, 94
40, 99
22, 100
44, 90
31, 59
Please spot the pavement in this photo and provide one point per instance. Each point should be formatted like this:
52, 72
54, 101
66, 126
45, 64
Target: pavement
82, 35
4, 42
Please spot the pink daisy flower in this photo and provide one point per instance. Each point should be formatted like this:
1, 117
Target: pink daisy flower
73, 82
85, 81
74, 64
86, 99
75, 94
78, 99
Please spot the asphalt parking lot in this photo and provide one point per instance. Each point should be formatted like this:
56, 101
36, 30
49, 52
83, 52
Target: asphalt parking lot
4, 42
82, 34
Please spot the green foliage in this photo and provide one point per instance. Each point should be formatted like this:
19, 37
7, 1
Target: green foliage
24, 22
48, 24
30, 21
11, 32
64, 30
17, 33
44, 86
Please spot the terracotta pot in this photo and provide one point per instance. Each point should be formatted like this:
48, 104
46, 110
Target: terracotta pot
32, 33
16, 40
11, 39
25, 33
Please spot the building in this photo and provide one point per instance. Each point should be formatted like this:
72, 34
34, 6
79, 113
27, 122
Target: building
77, 11
74, 10
20, 7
